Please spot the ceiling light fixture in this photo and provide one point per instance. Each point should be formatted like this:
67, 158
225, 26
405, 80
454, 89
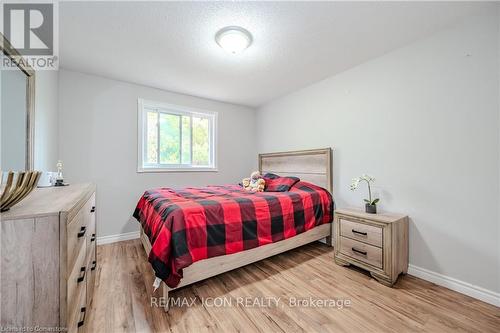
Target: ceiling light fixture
233, 39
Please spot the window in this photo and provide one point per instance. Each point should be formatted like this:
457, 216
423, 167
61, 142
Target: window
175, 138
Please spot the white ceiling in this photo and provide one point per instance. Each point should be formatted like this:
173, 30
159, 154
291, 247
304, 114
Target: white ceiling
170, 45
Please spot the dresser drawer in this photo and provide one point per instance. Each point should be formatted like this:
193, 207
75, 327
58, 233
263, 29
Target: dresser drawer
362, 232
91, 254
76, 232
368, 254
91, 229
77, 278
78, 314
81, 229
91, 273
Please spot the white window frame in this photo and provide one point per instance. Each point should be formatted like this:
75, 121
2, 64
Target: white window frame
142, 104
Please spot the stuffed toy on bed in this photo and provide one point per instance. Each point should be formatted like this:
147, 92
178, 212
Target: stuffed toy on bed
255, 183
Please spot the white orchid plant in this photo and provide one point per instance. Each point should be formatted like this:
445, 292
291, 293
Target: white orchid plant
369, 180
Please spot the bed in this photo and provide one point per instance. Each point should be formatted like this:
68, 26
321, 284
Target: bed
192, 234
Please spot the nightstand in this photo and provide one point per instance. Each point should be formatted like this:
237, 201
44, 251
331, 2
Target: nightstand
375, 242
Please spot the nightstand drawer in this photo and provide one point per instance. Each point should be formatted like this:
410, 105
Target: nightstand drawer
368, 254
362, 232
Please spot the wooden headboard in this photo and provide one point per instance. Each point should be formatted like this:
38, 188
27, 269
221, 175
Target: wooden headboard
314, 166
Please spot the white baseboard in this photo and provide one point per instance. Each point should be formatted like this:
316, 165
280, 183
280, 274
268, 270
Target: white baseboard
462, 287
118, 238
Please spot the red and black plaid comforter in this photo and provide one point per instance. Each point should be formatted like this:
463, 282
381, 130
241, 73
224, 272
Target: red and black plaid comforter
191, 224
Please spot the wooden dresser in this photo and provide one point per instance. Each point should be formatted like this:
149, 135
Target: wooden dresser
48, 258
375, 242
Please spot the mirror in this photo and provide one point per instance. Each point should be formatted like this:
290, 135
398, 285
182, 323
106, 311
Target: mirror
17, 92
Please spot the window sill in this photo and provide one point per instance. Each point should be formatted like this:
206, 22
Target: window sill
156, 170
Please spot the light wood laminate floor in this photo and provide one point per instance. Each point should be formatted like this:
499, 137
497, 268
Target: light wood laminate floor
124, 286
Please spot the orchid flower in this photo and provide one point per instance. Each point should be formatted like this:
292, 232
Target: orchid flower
369, 180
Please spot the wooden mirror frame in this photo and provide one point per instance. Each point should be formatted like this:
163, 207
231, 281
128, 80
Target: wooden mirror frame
16, 57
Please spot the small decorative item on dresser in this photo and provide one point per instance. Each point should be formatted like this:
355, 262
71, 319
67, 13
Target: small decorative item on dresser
59, 176
377, 243
370, 205
15, 191
47, 179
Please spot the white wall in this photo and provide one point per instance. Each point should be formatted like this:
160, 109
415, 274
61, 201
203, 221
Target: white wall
98, 143
46, 120
424, 120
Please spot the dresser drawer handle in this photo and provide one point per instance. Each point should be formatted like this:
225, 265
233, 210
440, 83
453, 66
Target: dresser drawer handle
82, 274
92, 238
92, 209
82, 232
81, 322
94, 265
359, 232
359, 251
